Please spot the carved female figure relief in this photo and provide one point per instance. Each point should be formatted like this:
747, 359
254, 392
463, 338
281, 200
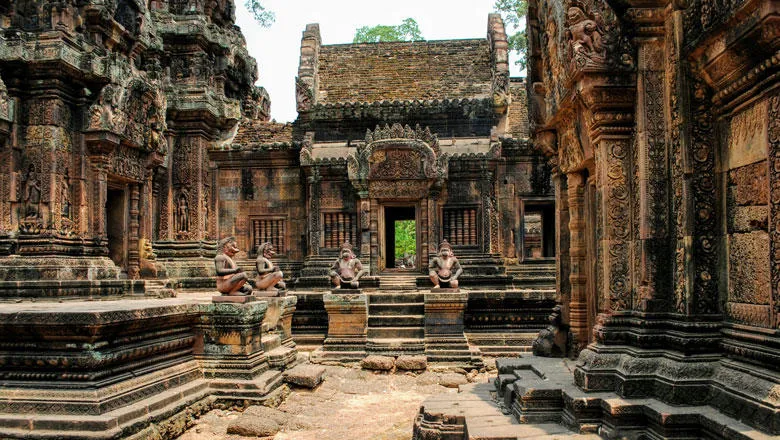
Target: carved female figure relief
182, 213
32, 195
65, 195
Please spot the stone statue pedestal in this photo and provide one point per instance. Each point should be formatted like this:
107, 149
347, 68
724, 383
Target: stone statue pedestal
234, 299
347, 327
445, 340
269, 293
277, 331
229, 345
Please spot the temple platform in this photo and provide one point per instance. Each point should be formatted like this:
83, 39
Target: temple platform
123, 369
536, 397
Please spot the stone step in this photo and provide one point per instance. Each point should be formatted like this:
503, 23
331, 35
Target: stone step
404, 287
473, 414
396, 320
396, 332
271, 341
395, 346
396, 309
389, 298
506, 344
282, 357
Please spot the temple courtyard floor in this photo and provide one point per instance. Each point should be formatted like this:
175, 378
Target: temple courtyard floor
356, 404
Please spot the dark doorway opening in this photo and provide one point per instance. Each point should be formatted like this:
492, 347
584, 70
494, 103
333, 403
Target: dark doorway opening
399, 220
116, 226
539, 231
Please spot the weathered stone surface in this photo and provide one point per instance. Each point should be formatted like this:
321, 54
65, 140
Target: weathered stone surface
411, 362
749, 184
381, 363
427, 378
279, 417
307, 375
250, 425
749, 268
452, 380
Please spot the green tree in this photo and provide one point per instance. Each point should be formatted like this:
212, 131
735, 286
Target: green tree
514, 13
406, 31
263, 16
405, 241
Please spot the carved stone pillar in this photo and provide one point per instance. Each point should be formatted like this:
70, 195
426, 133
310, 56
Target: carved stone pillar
489, 218
133, 263
652, 263
615, 243
563, 243
374, 232
100, 191
577, 305
315, 193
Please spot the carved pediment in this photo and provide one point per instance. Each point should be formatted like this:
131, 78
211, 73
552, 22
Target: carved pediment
398, 154
134, 111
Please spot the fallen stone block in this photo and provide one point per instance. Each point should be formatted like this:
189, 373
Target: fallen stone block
308, 376
452, 380
411, 363
264, 412
381, 363
249, 425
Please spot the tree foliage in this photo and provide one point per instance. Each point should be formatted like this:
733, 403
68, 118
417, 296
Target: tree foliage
405, 240
408, 30
264, 16
514, 12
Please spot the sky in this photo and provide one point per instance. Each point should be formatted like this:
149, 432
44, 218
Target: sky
277, 48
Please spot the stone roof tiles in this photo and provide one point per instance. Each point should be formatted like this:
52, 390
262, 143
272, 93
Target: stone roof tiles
256, 133
404, 71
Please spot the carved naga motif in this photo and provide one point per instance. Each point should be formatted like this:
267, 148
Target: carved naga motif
304, 96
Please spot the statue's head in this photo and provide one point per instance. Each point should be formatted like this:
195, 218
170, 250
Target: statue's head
445, 250
266, 249
228, 246
575, 15
346, 251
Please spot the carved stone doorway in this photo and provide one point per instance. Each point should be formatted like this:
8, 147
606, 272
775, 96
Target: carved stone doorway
391, 215
117, 225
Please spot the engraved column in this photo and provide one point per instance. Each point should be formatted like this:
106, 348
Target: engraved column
578, 319
133, 264
315, 192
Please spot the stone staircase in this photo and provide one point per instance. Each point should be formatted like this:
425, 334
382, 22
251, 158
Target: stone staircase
158, 288
398, 281
533, 273
396, 319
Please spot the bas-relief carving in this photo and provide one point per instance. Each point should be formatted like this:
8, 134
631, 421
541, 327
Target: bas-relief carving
31, 216
570, 151
135, 110
747, 134
774, 203
705, 248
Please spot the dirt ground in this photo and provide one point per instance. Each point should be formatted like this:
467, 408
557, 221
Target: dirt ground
350, 404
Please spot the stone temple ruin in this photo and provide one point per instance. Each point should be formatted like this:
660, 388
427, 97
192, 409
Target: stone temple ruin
613, 216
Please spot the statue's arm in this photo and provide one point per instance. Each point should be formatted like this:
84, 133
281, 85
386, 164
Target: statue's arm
263, 266
458, 270
334, 269
223, 269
